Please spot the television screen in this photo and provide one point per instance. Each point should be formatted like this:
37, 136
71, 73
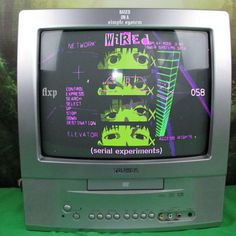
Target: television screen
124, 94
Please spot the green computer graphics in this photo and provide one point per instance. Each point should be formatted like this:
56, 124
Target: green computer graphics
120, 85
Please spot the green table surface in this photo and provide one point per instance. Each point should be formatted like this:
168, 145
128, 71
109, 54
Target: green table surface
12, 219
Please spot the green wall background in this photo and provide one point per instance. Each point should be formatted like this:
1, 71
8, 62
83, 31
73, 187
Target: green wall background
9, 9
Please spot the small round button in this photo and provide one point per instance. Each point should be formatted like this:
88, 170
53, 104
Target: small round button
67, 207
116, 216
126, 216
76, 216
100, 216
151, 215
91, 216
143, 215
135, 216
108, 216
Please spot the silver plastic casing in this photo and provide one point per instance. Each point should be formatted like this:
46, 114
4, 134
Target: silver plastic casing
78, 194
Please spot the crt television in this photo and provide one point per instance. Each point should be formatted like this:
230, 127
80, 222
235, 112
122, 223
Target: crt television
124, 118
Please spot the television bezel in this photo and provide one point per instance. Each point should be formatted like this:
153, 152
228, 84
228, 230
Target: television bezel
35, 165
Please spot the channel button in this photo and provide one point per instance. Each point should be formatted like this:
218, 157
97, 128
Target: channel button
91, 216
151, 215
108, 216
135, 216
116, 216
143, 215
126, 216
100, 216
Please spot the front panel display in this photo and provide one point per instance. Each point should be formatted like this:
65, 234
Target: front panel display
124, 94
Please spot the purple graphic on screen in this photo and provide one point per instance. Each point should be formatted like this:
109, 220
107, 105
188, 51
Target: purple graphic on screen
51, 112
78, 72
52, 55
156, 36
171, 142
194, 86
125, 38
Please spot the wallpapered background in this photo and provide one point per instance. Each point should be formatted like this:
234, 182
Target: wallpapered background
9, 9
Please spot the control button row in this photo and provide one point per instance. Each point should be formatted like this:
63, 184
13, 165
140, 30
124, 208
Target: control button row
117, 216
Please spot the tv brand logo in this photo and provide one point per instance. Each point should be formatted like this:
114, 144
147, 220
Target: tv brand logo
125, 38
126, 170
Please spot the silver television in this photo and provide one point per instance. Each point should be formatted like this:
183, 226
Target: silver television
124, 118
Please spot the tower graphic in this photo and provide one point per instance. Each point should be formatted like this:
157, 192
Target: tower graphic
167, 71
